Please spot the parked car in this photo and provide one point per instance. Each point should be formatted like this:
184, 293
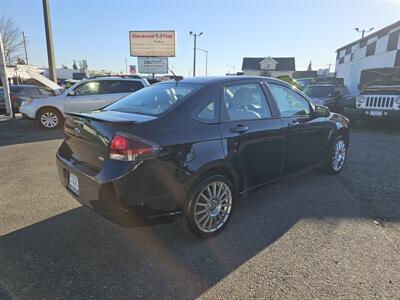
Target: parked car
22, 92
86, 95
335, 96
190, 148
379, 95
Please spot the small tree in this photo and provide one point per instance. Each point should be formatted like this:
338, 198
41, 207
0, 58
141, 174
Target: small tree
74, 66
12, 41
309, 67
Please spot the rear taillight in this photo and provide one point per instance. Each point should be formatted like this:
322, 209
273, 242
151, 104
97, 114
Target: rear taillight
127, 147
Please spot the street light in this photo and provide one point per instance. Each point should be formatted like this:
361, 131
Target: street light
363, 31
233, 67
206, 52
195, 35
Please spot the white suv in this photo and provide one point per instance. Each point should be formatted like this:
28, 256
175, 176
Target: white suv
86, 95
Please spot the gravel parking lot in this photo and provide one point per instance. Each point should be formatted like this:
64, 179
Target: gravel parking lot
314, 236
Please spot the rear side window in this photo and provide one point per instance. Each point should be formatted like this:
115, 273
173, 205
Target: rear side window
120, 86
289, 102
245, 102
208, 110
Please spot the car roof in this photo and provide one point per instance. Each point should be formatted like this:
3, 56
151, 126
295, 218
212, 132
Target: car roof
326, 84
115, 78
221, 79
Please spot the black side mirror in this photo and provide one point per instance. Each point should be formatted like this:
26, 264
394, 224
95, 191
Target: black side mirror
321, 111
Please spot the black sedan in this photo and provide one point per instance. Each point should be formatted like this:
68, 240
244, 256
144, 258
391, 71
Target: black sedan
189, 148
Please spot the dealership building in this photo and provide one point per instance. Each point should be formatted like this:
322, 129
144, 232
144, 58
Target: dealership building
380, 49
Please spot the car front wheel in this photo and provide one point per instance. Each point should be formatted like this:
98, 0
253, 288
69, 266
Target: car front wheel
50, 118
337, 156
209, 206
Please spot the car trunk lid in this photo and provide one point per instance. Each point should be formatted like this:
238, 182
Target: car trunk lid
88, 135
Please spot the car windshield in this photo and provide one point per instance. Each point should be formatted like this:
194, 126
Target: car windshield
319, 91
153, 100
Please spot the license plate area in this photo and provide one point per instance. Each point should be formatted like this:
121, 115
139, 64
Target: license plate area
375, 113
73, 183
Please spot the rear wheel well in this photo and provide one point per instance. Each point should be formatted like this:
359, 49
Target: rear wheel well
220, 170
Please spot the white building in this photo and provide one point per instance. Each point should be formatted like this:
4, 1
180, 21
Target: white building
268, 66
378, 50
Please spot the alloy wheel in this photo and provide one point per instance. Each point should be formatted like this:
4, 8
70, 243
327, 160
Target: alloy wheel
49, 119
213, 206
339, 155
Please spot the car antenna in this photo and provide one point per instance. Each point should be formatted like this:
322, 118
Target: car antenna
176, 78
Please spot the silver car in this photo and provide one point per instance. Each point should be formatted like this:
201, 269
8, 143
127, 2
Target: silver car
86, 95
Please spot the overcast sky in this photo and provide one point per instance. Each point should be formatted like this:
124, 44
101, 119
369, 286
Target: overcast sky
98, 30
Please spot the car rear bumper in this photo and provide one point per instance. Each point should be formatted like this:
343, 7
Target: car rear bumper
366, 113
106, 196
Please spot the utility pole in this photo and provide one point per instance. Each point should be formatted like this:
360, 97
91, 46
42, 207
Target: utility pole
26, 52
363, 31
4, 80
49, 41
195, 35
126, 66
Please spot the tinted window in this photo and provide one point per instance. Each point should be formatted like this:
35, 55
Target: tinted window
289, 102
120, 86
393, 40
87, 88
246, 102
155, 99
319, 91
208, 112
371, 49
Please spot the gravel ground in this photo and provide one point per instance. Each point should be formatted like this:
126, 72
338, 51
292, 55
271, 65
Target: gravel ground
315, 236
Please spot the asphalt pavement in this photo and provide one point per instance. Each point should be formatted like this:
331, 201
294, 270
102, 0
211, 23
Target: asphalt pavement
316, 236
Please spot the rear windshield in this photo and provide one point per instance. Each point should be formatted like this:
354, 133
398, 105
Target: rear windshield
153, 100
319, 91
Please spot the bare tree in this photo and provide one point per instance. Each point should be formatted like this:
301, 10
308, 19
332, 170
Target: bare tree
12, 42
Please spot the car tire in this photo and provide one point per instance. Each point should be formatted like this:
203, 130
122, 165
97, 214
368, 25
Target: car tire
209, 206
337, 155
49, 118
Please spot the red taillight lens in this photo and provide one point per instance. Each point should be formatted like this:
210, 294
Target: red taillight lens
127, 147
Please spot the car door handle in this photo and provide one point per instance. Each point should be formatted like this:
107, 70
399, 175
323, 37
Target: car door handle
240, 129
293, 123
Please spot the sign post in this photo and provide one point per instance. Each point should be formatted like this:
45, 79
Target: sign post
4, 80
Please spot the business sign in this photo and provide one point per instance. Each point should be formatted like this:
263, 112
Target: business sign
132, 69
153, 65
152, 43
